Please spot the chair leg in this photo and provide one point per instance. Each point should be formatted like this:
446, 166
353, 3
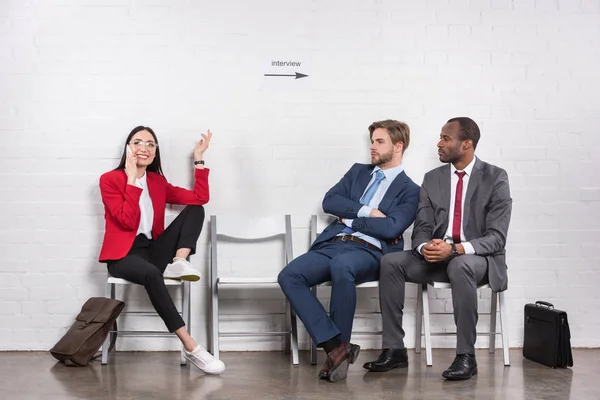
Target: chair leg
185, 311
188, 298
110, 293
504, 329
294, 336
105, 347
287, 345
313, 346
215, 320
419, 319
493, 318
427, 324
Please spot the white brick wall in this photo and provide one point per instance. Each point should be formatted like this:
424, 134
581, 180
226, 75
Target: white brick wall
77, 75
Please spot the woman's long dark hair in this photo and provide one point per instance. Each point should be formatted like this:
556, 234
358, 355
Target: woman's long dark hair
155, 165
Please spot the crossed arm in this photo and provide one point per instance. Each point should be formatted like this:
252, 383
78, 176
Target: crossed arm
337, 202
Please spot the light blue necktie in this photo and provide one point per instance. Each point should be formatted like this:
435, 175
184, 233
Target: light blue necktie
368, 196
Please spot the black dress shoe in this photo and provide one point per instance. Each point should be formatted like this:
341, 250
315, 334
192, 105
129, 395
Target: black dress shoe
463, 367
388, 360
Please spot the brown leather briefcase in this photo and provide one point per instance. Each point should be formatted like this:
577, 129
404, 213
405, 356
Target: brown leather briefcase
83, 339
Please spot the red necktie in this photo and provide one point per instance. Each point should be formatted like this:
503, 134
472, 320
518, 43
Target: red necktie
457, 221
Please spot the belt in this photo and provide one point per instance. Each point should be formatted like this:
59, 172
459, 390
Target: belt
352, 238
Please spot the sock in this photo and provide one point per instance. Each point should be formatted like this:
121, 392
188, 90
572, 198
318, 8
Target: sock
331, 344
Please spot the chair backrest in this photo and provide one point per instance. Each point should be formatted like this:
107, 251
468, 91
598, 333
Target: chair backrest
317, 224
245, 229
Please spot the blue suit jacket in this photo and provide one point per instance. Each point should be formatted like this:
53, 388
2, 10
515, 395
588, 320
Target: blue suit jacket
399, 205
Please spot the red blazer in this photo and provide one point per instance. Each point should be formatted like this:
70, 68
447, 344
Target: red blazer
122, 207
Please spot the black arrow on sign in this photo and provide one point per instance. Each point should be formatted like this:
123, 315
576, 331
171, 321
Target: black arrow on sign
298, 75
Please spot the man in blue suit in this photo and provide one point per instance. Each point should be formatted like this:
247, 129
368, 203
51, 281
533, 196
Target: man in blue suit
374, 204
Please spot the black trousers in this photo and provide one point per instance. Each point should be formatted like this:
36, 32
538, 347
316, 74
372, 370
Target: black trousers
147, 260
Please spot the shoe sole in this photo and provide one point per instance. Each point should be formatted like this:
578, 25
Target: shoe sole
189, 278
400, 365
460, 378
341, 371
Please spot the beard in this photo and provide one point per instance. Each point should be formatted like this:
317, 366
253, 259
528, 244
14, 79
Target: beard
450, 155
381, 159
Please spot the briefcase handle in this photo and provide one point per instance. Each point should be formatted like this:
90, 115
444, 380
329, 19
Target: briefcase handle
544, 303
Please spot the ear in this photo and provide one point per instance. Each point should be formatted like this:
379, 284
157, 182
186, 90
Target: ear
399, 146
467, 144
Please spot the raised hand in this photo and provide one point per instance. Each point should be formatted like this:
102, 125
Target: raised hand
202, 145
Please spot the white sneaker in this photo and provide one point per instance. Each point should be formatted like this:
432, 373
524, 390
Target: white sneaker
204, 360
181, 269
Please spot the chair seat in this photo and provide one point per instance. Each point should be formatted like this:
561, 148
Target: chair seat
373, 284
247, 281
119, 281
446, 285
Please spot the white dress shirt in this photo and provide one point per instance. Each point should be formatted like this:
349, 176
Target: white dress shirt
365, 211
146, 209
453, 182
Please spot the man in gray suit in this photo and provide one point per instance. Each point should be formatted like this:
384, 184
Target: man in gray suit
458, 237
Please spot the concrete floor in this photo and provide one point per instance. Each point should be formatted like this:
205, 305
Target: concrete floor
269, 375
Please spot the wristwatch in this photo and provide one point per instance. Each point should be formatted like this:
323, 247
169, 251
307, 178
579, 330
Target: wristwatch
454, 250
199, 162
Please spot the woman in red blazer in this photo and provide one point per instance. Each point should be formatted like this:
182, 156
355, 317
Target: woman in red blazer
136, 245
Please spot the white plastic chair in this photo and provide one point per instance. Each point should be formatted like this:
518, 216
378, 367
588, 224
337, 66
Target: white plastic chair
315, 223
185, 313
423, 310
111, 283
240, 229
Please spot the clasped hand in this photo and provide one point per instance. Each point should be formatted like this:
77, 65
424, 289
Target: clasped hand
436, 251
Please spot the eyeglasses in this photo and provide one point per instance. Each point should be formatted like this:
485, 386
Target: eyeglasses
138, 144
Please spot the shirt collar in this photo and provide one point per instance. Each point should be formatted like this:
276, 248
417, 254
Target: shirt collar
468, 169
390, 173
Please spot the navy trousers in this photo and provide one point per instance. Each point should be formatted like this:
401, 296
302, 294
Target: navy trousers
345, 264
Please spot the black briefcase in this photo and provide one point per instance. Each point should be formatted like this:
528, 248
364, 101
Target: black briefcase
547, 338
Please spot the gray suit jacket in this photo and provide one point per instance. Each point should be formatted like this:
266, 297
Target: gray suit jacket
487, 208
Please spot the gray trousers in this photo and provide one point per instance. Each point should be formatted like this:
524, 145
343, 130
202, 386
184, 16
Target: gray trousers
464, 273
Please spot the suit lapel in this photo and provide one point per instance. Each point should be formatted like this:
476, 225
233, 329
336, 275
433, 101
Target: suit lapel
392, 192
361, 183
474, 181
